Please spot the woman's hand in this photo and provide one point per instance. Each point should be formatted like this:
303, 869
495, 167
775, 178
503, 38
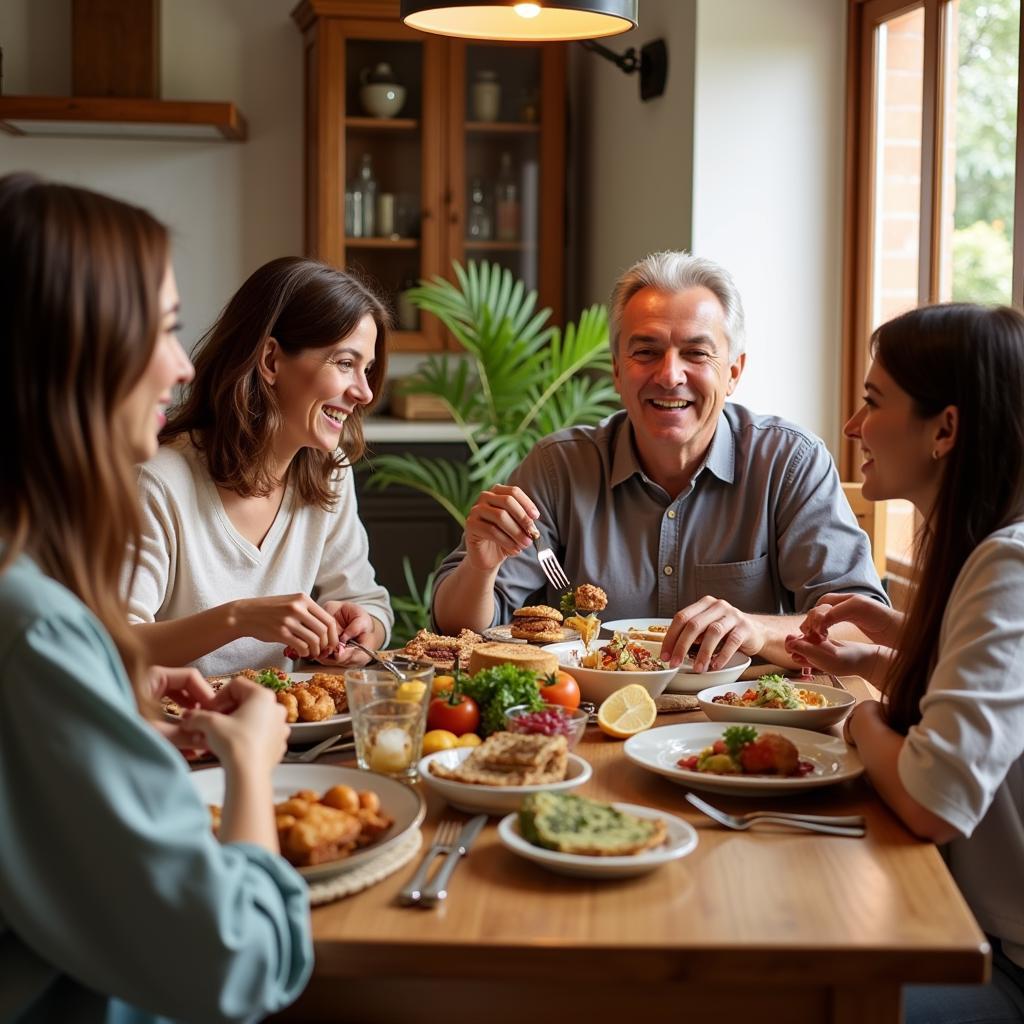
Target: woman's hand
498, 526
840, 657
294, 620
354, 623
880, 624
245, 727
187, 686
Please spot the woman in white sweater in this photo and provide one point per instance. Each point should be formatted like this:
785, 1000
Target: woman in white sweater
251, 537
943, 425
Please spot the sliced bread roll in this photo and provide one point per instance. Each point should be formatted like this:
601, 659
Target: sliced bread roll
520, 655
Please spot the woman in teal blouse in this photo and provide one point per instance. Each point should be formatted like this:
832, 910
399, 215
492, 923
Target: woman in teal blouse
117, 903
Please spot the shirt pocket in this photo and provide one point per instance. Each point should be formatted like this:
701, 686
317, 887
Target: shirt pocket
747, 585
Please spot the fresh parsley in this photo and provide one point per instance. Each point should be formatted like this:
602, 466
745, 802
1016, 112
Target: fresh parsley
272, 681
499, 688
736, 737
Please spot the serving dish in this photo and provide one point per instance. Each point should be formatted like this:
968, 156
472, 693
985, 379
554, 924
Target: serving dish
503, 635
477, 799
681, 840
658, 750
637, 623
401, 802
840, 703
595, 683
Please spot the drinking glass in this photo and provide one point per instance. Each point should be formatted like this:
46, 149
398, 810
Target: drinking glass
389, 716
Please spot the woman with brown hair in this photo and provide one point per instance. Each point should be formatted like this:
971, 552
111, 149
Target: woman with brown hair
116, 900
943, 425
251, 537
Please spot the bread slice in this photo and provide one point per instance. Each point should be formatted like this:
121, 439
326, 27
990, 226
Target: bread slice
511, 759
574, 824
489, 654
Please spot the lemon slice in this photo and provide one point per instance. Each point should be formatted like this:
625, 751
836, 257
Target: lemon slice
627, 712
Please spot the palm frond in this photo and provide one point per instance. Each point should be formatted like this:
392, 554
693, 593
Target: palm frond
444, 480
583, 399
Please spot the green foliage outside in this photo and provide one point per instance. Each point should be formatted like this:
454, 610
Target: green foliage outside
986, 139
519, 380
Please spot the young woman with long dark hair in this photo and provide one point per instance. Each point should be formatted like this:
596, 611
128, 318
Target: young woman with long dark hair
116, 900
251, 536
943, 425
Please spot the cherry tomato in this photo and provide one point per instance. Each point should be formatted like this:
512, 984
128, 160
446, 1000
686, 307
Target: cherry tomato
560, 688
442, 684
457, 713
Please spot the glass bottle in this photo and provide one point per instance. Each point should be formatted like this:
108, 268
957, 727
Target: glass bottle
506, 206
478, 223
364, 200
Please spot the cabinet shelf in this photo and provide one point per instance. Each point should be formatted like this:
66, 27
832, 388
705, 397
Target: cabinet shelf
382, 243
502, 127
382, 124
476, 245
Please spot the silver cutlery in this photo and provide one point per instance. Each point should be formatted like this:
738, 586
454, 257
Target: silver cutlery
833, 825
550, 565
437, 890
376, 659
330, 745
444, 838
836, 681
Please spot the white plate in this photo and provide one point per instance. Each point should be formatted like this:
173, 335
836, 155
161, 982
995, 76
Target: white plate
637, 623
503, 635
659, 749
398, 801
688, 681
597, 683
476, 799
839, 705
681, 840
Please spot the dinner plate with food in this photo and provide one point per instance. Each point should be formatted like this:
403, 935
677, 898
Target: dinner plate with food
572, 835
742, 759
773, 700
608, 667
315, 702
534, 624
639, 627
494, 777
329, 819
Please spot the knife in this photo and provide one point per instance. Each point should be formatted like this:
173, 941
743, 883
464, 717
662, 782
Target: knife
436, 890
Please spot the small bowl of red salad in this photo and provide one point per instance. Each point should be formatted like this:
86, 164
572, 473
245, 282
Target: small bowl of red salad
550, 720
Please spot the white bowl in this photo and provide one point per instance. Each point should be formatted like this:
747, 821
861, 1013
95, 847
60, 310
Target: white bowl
680, 840
476, 799
840, 703
688, 681
596, 683
382, 99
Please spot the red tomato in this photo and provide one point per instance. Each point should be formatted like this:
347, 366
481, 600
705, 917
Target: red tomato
456, 713
560, 688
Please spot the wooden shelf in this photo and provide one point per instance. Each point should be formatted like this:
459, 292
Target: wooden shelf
382, 243
503, 127
472, 245
382, 124
119, 117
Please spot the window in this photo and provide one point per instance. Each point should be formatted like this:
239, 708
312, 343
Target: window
933, 109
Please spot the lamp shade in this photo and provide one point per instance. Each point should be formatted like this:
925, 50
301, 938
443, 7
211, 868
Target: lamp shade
542, 21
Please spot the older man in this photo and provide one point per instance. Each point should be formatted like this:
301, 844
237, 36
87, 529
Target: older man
681, 505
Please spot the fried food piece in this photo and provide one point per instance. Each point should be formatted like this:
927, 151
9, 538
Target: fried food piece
291, 705
590, 598
373, 825
539, 623
770, 754
335, 686
343, 798
443, 651
511, 759
314, 703
322, 834
296, 805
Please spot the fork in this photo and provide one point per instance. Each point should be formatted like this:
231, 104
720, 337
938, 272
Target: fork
376, 659
836, 681
850, 825
550, 566
444, 842
306, 756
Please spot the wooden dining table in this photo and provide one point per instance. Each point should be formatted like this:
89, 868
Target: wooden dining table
766, 925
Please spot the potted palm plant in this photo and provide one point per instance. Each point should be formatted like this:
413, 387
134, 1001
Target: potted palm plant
519, 380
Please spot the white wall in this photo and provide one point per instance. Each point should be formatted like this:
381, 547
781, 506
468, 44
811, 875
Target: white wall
231, 206
767, 191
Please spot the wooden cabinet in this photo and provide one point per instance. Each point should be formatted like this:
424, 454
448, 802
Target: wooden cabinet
470, 165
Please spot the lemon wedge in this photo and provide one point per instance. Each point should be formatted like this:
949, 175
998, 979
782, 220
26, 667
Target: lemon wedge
627, 712
411, 691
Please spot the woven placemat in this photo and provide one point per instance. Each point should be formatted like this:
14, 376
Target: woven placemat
669, 703
376, 870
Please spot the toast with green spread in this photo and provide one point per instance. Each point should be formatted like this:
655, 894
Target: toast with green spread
574, 824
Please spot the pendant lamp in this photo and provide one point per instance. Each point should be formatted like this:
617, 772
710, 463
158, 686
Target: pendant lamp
543, 21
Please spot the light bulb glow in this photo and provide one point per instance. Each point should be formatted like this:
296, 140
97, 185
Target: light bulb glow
527, 10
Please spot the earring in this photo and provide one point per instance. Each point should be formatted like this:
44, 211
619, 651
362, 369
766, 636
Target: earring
935, 454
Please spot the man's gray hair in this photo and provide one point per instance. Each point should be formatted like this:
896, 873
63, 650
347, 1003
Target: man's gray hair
675, 271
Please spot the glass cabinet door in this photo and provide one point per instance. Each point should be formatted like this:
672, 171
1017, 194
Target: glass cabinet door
506, 126
391, 151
